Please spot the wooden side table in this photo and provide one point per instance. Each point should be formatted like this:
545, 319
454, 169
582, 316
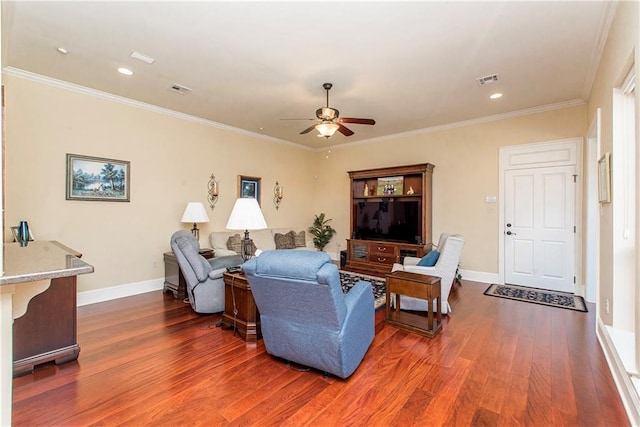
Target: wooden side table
418, 286
240, 311
173, 278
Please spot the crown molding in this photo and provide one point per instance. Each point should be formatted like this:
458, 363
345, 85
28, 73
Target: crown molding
60, 84
465, 123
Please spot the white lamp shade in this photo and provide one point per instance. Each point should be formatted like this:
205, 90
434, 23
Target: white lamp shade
195, 212
246, 215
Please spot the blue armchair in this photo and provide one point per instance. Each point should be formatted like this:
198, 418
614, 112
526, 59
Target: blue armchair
305, 316
205, 286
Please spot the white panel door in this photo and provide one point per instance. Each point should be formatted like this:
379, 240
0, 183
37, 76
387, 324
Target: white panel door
539, 231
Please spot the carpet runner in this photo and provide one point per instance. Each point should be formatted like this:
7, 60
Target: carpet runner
378, 284
538, 296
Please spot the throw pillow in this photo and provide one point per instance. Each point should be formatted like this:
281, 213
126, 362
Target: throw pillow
234, 243
299, 239
430, 259
284, 241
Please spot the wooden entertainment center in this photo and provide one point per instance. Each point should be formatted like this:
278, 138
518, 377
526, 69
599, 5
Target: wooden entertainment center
400, 194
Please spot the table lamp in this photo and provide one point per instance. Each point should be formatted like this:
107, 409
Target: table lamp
246, 215
195, 213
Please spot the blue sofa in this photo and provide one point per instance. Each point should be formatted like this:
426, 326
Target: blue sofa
305, 316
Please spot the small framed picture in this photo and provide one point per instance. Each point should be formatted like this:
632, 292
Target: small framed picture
249, 186
604, 178
95, 178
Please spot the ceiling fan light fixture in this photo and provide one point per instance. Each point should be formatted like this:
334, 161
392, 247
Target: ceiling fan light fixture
327, 129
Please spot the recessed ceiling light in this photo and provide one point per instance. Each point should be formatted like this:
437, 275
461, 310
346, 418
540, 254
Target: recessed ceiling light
62, 50
496, 96
125, 71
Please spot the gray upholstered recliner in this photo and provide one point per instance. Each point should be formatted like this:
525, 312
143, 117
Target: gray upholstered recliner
305, 316
205, 286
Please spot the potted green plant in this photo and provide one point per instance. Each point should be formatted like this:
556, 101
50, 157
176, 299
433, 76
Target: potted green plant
322, 232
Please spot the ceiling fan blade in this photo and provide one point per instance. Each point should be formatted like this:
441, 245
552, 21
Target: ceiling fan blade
309, 129
344, 130
358, 121
297, 119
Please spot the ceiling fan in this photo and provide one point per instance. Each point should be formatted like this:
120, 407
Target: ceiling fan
330, 120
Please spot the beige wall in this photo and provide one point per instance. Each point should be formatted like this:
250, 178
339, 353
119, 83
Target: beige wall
615, 63
466, 171
171, 161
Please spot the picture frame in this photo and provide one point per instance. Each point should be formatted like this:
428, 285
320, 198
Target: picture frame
249, 186
604, 178
97, 179
390, 186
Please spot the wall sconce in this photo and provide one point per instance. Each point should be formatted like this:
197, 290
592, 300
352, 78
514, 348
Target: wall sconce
213, 191
278, 194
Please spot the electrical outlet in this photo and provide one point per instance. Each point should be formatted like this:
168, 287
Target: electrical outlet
606, 306
154, 264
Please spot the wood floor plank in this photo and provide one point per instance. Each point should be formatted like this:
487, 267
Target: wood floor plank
150, 360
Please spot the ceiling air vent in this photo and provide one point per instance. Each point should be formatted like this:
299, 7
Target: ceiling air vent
487, 79
180, 89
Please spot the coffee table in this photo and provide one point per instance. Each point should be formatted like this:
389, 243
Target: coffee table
419, 286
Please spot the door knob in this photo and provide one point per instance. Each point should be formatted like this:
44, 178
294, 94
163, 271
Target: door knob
508, 224
509, 233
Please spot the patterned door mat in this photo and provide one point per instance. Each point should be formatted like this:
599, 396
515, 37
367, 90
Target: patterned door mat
538, 296
378, 284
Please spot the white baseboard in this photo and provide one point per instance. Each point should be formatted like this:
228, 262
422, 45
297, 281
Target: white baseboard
129, 289
627, 391
479, 276
114, 292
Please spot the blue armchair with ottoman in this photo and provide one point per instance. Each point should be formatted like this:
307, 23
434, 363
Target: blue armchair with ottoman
305, 316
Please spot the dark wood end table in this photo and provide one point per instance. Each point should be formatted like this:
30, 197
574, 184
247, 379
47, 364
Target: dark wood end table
240, 311
173, 278
418, 286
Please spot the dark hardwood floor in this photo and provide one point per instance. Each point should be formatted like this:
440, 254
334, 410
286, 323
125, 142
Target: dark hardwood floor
150, 360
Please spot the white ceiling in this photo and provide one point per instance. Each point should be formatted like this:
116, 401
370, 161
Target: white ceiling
409, 66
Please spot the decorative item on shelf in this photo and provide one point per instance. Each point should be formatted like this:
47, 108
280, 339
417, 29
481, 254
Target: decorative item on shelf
213, 191
390, 186
322, 232
23, 236
195, 213
278, 194
410, 190
23, 233
366, 190
246, 215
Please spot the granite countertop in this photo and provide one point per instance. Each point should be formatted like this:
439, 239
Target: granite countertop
40, 260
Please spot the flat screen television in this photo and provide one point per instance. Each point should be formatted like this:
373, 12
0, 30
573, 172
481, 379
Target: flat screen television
393, 220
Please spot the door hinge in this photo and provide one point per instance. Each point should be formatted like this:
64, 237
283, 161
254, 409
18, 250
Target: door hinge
574, 229
574, 280
574, 178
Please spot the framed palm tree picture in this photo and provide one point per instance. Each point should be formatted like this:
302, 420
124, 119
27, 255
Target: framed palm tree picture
98, 179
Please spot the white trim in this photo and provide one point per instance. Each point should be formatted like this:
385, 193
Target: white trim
606, 19
479, 276
464, 123
121, 291
60, 84
625, 387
